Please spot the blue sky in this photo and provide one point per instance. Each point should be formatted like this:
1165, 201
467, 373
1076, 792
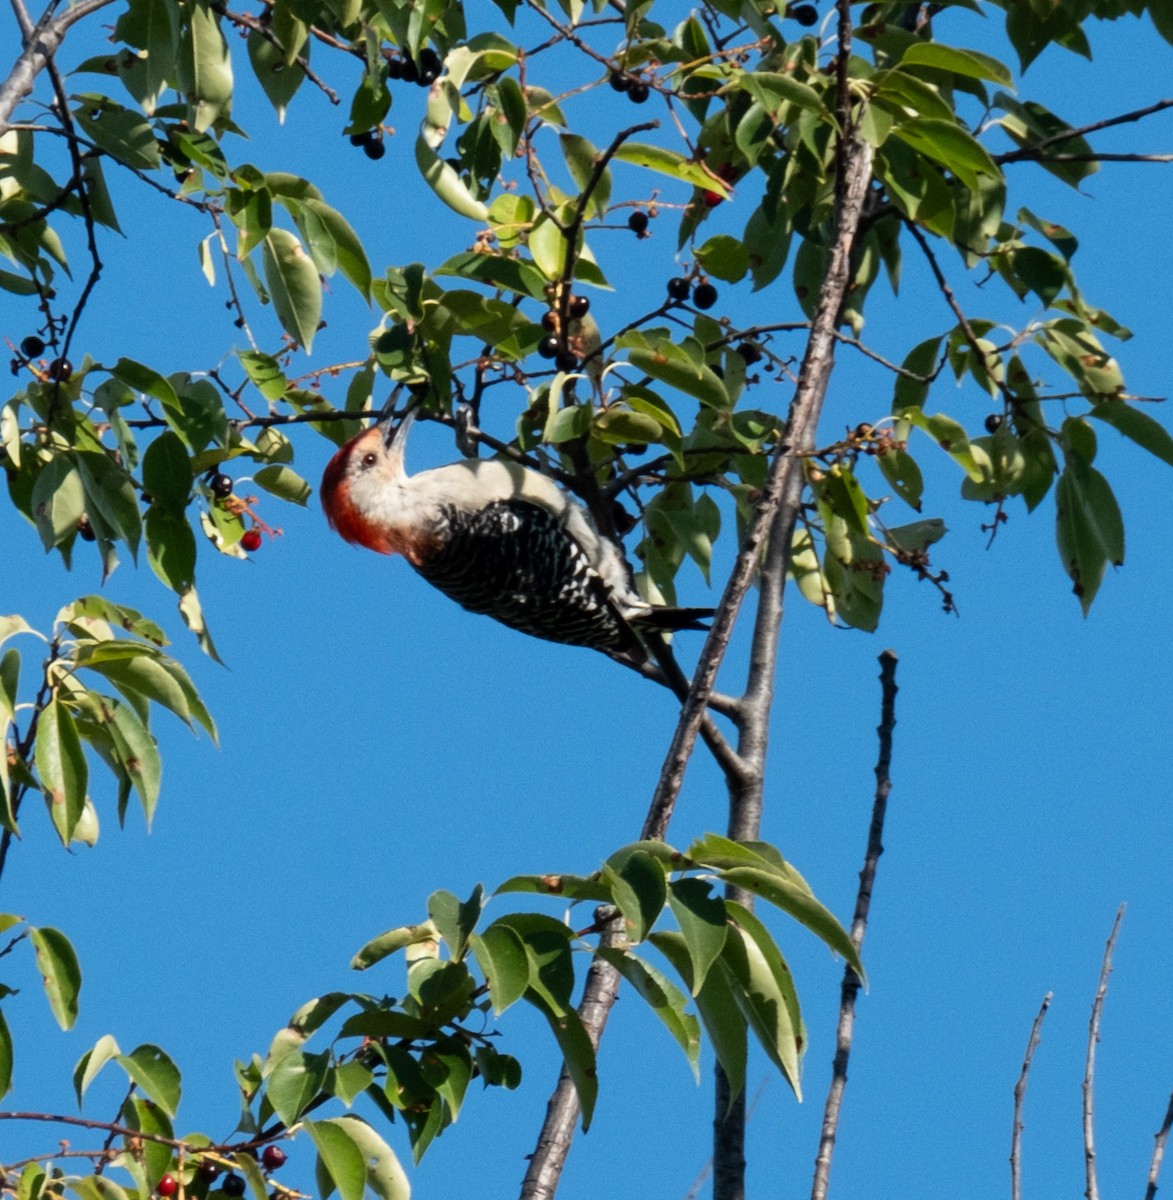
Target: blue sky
378, 743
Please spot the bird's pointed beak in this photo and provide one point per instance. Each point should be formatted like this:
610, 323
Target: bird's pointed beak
395, 431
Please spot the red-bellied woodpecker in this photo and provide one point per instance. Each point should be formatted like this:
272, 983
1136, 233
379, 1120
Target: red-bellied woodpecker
497, 538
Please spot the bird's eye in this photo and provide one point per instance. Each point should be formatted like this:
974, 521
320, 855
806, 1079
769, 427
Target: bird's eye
369, 459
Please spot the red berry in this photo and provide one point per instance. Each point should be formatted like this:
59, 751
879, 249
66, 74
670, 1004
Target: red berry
712, 199
273, 1157
250, 540
167, 1186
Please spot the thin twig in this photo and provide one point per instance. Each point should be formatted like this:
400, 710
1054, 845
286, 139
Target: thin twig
1026, 153
1032, 1045
1161, 1138
859, 923
1093, 1037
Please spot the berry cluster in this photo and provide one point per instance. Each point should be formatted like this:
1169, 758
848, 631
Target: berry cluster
371, 141
273, 1158
637, 90
58, 371
704, 295
555, 346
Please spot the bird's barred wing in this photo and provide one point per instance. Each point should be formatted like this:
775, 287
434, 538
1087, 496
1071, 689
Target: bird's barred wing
516, 562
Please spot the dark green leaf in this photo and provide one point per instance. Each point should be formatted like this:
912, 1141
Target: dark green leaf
156, 1075
640, 889
1088, 527
1137, 426
294, 1082
167, 474
59, 970
61, 765
701, 917
340, 1156
292, 280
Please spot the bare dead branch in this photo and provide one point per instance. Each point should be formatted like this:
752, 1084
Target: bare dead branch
1032, 1044
863, 902
1093, 1036
1161, 1138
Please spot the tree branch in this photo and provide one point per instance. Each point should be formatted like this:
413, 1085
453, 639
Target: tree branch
1032, 1044
859, 924
1028, 153
1162, 1136
1093, 1037
40, 45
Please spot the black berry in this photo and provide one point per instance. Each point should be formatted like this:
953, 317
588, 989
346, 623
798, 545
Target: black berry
233, 1185
409, 72
273, 1157
60, 369
579, 307
430, 60
550, 321
221, 486
427, 77
360, 139
805, 14
566, 361
374, 149
549, 347
208, 1170
85, 530
750, 352
638, 93
994, 422
619, 81
638, 222
679, 288
705, 295
31, 347
394, 68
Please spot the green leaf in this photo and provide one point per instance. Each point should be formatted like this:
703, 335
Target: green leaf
5, 1058
294, 286
265, 373
664, 998
387, 943
171, 548
58, 501
702, 920
1088, 527
59, 969
946, 143
719, 1012
148, 1162
771, 89
970, 63
9, 681
1137, 426
349, 254
456, 920
581, 159
577, 1053
61, 765
384, 1176
568, 887
547, 949
156, 1075
284, 483
295, 1082
167, 474
724, 257
91, 1062
125, 135
901, 471
340, 1155
682, 366
764, 991
145, 672
668, 162
447, 183
135, 750
278, 78
640, 890
205, 66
